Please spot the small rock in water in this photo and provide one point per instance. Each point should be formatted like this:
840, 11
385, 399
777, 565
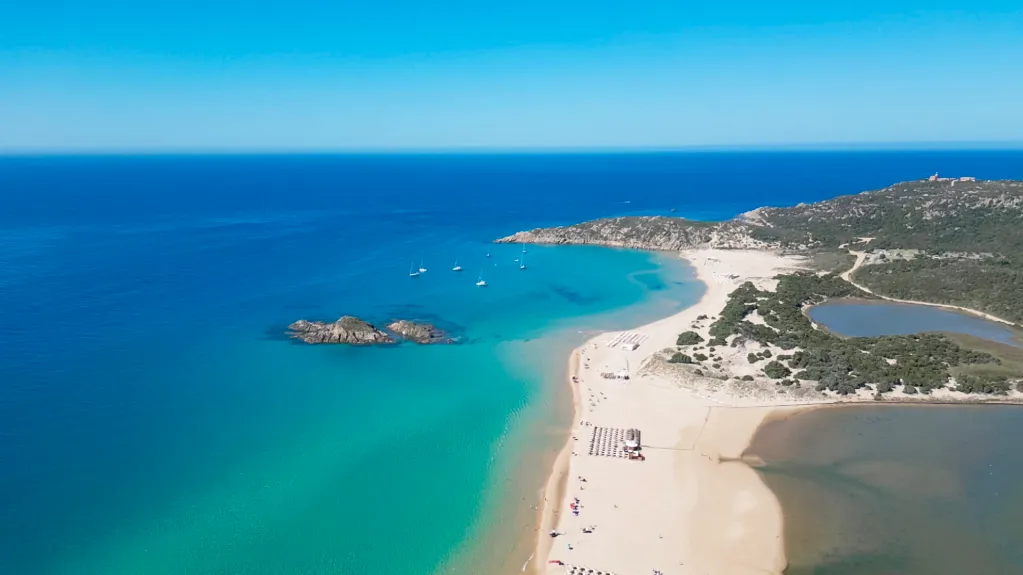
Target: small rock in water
419, 332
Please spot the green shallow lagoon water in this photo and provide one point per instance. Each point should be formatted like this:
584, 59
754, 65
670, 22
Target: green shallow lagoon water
908, 490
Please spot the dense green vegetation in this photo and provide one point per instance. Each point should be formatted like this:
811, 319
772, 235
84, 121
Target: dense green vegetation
776, 370
982, 216
841, 364
971, 231
688, 338
993, 285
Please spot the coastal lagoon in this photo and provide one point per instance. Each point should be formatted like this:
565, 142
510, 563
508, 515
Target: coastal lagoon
863, 318
908, 490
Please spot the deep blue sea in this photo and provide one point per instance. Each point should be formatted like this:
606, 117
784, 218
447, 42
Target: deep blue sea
154, 420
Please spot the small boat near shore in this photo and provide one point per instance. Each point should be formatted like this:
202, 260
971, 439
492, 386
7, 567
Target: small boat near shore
480, 282
422, 269
457, 267
412, 273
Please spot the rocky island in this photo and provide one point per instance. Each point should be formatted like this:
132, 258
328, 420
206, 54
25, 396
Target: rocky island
347, 329
354, 331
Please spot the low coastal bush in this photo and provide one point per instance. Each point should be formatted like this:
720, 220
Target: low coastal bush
838, 364
752, 358
699, 357
698, 371
747, 378
680, 358
716, 366
775, 370
688, 338
970, 384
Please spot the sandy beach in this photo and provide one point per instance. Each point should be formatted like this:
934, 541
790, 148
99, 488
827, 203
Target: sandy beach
692, 505
689, 507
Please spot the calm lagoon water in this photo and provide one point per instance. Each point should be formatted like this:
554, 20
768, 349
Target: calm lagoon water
153, 420
856, 318
907, 490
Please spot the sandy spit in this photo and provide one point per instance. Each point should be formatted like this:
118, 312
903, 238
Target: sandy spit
692, 506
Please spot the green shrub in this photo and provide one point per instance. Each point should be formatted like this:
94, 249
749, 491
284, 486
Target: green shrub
688, 338
699, 357
752, 357
747, 378
775, 370
680, 358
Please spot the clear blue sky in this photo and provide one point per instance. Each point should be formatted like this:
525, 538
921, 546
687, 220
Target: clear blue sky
157, 75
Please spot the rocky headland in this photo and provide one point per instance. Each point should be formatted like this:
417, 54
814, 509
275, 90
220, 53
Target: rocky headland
354, 331
953, 241
961, 215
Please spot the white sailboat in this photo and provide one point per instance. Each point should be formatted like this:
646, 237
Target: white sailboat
412, 273
422, 270
522, 262
488, 254
523, 248
457, 267
480, 282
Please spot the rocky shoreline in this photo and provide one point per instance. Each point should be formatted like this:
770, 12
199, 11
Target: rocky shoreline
351, 330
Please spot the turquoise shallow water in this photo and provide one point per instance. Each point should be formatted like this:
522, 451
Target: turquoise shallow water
262, 456
153, 420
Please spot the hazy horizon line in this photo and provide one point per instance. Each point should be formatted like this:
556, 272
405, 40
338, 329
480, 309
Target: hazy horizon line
1011, 145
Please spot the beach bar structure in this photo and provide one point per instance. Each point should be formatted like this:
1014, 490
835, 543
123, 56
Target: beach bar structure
632, 440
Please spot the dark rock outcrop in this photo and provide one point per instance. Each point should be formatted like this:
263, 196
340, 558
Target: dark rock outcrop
348, 329
418, 332
354, 331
